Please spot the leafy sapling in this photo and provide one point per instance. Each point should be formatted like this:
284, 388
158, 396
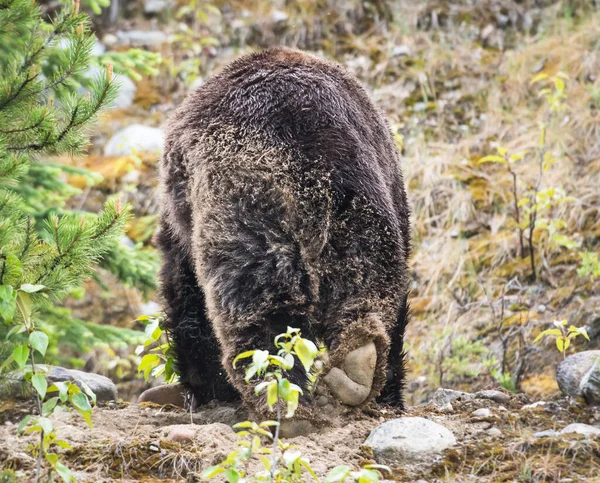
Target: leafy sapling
157, 359
528, 206
563, 335
281, 462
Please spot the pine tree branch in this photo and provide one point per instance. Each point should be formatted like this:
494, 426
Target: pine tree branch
28, 128
12, 97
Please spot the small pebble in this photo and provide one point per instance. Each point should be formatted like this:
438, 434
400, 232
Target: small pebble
482, 413
535, 405
494, 432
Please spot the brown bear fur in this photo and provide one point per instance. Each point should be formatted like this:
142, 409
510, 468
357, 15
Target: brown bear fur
284, 205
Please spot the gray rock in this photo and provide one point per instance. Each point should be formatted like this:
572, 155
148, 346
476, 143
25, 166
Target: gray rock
549, 433
580, 372
102, 387
409, 440
126, 93
590, 386
579, 428
494, 432
156, 6
135, 138
493, 395
141, 38
482, 413
442, 397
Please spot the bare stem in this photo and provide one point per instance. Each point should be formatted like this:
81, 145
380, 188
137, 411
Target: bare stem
533, 198
515, 194
276, 437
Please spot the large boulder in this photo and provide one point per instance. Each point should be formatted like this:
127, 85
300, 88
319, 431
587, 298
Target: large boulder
409, 440
579, 376
101, 386
136, 138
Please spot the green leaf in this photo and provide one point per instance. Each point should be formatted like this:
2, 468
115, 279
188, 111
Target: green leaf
339, 473
8, 303
23, 423
212, 471
562, 344
62, 389
20, 355
25, 305
272, 394
538, 78
243, 355
87, 417
45, 424
232, 475
49, 405
28, 288
260, 387
292, 403
62, 444
39, 341
492, 158
17, 329
149, 362
306, 351
80, 401
555, 332
64, 472
40, 384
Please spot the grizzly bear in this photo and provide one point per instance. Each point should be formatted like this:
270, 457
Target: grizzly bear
284, 205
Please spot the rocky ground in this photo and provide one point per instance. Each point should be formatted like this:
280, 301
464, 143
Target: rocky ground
452, 77
487, 436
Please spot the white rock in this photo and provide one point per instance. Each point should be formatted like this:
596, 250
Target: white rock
409, 439
126, 93
494, 432
535, 405
580, 428
482, 413
278, 16
400, 50
156, 6
135, 138
140, 38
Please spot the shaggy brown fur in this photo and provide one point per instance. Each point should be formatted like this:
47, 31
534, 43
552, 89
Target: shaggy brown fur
283, 205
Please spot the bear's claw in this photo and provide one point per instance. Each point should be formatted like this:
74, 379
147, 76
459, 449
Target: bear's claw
351, 384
